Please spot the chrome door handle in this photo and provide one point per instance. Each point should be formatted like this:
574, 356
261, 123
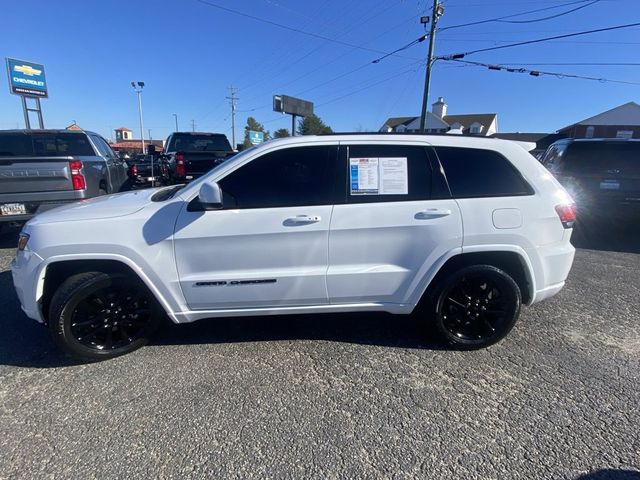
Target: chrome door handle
302, 220
430, 213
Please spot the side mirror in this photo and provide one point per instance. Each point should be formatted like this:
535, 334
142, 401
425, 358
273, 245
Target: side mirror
210, 196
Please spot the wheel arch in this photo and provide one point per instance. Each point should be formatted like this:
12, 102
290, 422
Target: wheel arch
513, 262
58, 270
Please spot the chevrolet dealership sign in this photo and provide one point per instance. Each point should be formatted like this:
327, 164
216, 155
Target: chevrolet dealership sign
26, 78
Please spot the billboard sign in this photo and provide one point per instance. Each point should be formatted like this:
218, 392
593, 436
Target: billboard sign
292, 105
256, 137
26, 78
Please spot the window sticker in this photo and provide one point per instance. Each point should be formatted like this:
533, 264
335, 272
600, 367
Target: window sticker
379, 176
364, 176
393, 176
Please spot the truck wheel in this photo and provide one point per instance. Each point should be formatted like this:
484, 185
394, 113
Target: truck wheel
101, 192
96, 316
476, 307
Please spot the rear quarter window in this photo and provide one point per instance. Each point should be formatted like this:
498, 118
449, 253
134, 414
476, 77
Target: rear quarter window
473, 172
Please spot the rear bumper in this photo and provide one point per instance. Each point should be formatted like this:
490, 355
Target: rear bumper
552, 266
32, 208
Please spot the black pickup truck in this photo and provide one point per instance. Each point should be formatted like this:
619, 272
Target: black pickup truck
189, 155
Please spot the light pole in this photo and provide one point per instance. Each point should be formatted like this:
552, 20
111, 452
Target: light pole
437, 12
137, 87
175, 116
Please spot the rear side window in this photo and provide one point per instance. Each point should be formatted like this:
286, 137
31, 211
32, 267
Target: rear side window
474, 172
44, 144
292, 177
387, 173
597, 158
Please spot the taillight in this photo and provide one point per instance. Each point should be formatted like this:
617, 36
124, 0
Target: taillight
567, 214
180, 169
134, 170
77, 179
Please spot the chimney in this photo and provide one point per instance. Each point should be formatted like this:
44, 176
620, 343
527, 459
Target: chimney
439, 108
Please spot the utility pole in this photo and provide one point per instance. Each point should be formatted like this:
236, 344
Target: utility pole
175, 115
193, 125
232, 100
436, 13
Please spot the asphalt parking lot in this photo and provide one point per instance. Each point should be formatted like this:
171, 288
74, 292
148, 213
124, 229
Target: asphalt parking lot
342, 396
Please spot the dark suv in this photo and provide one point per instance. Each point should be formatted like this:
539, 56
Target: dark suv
602, 175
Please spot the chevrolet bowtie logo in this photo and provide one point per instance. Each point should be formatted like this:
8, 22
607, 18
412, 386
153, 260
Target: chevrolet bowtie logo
27, 70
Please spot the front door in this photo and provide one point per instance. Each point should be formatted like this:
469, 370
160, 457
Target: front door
398, 218
268, 246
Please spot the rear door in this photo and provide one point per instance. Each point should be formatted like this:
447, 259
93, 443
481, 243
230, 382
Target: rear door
268, 246
395, 220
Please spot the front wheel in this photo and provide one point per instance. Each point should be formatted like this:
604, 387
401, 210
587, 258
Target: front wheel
97, 316
476, 307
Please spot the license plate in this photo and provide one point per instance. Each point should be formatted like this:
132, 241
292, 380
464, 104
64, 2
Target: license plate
12, 209
610, 185
189, 177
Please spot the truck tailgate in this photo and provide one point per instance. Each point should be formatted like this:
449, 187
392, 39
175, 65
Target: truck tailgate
34, 174
198, 163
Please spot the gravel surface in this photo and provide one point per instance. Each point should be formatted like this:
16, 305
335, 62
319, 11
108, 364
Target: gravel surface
340, 396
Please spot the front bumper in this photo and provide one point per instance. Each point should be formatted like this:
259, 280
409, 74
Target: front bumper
25, 270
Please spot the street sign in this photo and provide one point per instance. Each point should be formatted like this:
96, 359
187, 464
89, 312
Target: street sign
292, 105
256, 137
26, 78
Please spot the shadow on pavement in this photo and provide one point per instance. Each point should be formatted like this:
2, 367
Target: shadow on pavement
9, 237
610, 474
372, 328
613, 235
23, 342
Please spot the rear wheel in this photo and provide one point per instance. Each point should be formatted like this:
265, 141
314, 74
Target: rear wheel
96, 316
476, 306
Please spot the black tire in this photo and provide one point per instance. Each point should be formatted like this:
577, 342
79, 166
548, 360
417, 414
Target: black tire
96, 316
475, 307
101, 192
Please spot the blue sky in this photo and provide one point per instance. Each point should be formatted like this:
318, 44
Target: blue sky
188, 53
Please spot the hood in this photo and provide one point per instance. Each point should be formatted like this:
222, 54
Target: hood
107, 206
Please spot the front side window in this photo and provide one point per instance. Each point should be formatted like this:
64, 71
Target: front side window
292, 177
474, 172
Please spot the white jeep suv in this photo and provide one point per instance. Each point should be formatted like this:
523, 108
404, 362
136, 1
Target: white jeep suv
460, 231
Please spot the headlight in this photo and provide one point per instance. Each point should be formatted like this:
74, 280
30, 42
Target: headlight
22, 241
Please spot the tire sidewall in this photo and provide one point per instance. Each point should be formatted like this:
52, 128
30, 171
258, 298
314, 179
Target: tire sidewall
496, 275
60, 321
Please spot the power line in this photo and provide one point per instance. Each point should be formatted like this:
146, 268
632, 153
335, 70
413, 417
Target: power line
538, 73
539, 40
287, 27
607, 64
503, 18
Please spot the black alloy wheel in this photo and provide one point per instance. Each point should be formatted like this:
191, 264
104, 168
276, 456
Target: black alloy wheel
477, 307
95, 316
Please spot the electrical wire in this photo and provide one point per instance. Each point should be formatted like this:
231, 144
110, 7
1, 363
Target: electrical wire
538, 73
287, 27
539, 40
503, 18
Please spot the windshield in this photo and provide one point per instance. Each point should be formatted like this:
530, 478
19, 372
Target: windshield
45, 144
199, 143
